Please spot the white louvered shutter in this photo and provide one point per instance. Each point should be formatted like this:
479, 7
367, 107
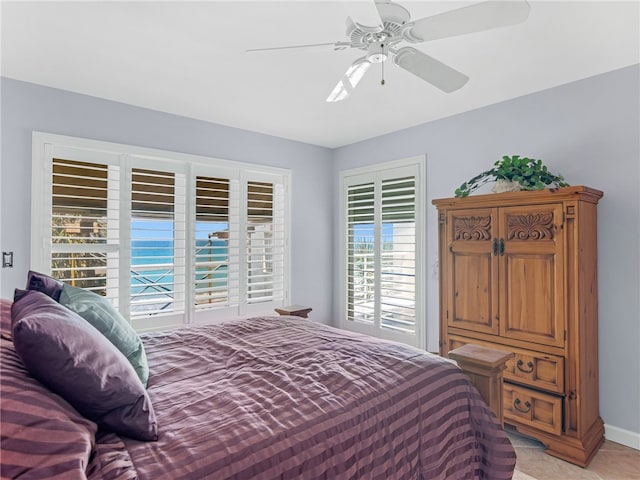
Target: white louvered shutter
398, 255
361, 270
216, 243
168, 238
382, 271
84, 234
264, 242
157, 266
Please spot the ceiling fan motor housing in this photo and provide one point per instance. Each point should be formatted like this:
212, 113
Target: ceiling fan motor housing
393, 17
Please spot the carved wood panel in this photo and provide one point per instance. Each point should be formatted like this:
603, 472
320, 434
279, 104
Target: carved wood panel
530, 226
472, 228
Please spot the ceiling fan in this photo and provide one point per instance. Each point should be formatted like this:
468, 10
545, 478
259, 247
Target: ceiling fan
393, 26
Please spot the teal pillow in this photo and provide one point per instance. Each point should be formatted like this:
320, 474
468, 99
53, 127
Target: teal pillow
97, 310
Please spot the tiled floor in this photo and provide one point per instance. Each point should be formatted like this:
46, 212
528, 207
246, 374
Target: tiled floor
612, 462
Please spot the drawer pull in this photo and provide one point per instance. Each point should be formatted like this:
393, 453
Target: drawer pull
517, 402
529, 365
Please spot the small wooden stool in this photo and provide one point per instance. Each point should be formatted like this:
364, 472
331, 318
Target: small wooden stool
295, 310
484, 367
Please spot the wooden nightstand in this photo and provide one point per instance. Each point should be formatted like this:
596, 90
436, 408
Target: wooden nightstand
484, 366
295, 310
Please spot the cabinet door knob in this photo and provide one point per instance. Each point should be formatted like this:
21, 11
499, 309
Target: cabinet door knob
501, 246
495, 246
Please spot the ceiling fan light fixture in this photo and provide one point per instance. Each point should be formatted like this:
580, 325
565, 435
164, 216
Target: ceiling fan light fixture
377, 57
377, 52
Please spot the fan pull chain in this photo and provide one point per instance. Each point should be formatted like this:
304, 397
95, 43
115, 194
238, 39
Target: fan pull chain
382, 81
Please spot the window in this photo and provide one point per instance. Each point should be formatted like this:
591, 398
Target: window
383, 236
168, 238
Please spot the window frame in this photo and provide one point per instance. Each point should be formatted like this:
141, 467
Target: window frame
380, 172
46, 147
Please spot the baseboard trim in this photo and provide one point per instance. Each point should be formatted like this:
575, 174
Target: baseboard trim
622, 436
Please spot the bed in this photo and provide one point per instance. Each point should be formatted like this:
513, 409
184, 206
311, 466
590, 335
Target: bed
264, 398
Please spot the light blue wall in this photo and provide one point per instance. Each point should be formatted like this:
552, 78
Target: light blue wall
589, 131
28, 107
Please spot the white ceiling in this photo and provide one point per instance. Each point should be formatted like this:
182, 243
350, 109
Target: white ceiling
189, 58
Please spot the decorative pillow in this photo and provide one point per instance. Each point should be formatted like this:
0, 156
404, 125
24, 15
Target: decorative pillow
45, 284
74, 360
99, 312
42, 435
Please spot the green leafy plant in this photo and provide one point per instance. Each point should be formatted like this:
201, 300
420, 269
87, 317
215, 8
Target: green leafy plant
531, 174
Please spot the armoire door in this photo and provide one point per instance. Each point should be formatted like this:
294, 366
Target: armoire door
472, 269
532, 274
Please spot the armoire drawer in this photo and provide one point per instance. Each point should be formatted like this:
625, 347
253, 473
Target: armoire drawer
532, 408
538, 370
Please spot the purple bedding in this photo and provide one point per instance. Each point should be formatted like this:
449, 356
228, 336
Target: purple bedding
286, 398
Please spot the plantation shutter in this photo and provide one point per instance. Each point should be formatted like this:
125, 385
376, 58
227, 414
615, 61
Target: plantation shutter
361, 272
216, 250
84, 236
168, 238
157, 242
264, 242
398, 255
240, 243
382, 270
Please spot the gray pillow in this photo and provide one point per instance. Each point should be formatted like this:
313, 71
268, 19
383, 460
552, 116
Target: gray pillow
68, 355
99, 312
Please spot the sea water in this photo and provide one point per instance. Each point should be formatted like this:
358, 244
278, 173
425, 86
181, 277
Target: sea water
152, 264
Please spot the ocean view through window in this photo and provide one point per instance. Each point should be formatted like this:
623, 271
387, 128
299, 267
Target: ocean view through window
150, 276
168, 240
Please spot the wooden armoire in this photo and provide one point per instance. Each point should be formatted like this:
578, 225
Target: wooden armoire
518, 273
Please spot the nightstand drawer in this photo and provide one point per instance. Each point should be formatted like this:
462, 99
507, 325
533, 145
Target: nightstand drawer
532, 408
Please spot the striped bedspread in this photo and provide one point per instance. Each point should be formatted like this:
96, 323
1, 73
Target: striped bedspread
285, 398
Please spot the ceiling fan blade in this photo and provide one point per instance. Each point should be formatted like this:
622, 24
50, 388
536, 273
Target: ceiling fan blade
429, 69
349, 80
368, 17
473, 18
336, 46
